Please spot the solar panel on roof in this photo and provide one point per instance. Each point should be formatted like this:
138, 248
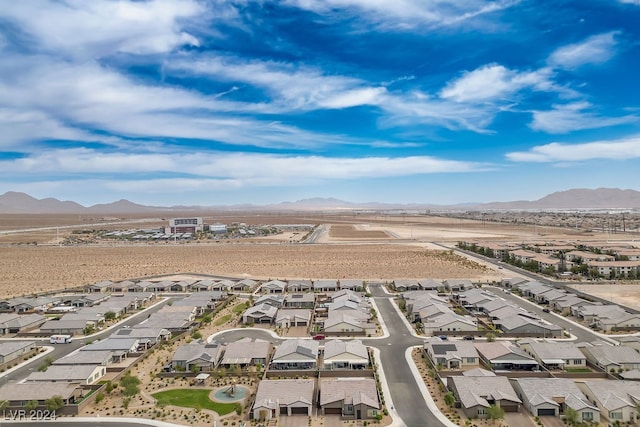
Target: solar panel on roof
443, 348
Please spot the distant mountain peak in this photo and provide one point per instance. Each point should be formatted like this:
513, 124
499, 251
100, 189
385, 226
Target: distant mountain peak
577, 198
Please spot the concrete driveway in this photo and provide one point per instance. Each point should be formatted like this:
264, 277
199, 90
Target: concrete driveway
521, 419
293, 421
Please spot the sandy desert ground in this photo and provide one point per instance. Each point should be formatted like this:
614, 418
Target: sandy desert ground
625, 294
370, 247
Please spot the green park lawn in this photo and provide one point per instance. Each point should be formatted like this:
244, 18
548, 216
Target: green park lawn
193, 398
240, 308
224, 319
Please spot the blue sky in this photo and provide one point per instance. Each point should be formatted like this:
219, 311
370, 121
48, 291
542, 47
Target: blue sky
405, 101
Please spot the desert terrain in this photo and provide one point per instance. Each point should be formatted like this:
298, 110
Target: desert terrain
368, 247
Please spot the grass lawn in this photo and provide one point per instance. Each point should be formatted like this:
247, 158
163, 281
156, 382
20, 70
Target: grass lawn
224, 319
193, 398
240, 308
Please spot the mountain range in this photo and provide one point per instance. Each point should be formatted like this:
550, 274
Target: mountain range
581, 198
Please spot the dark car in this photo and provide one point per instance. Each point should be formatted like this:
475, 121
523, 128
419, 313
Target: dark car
443, 337
469, 338
546, 310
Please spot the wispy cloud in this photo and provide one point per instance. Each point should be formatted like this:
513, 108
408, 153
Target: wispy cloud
574, 116
289, 86
231, 166
99, 27
620, 149
405, 15
494, 82
594, 50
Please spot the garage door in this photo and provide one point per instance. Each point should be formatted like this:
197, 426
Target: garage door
303, 410
509, 408
546, 412
333, 411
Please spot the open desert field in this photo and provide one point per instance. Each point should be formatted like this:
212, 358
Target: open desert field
625, 294
370, 247
29, 269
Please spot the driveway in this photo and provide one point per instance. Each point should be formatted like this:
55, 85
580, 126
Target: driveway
522, 419
293, 421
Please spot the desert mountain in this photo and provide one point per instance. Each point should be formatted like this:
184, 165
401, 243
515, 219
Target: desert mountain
578, 198
601, 198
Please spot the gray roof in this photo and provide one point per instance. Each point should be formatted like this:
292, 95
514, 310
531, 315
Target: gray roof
244, 350
86, 358
548, 390
112, 344
303, 349
8, 347
475, 391
198, 350
451, 349
614, 394
334, 348
66, 373
36, 391
549, 350
606, 355
270, 393
349, 391
23, 320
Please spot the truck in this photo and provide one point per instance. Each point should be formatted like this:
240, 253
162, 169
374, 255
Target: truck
60, 339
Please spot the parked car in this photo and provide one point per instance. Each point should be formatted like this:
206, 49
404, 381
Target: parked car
546, 310
319, 337
468, 338
443, 337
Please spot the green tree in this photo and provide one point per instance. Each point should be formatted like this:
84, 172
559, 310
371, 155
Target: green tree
194, 368
491, 337
495, 412
109, 387
570, 416
31, 405
196, 335
54, 403
110, 315
449, 399
402, 304
130, 385
4, 404
207, 319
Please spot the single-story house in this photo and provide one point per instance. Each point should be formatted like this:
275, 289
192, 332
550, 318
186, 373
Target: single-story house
349, 397
12, 350
296, 354
552, 397
283, 397
477, 394
273, 287
246, 352
503, 355
286, 318
17, 395
351, 354
197, 355
81, 374
300, 286
300, 300
262, 313
609, 357
452, 354
616, 399
554, 354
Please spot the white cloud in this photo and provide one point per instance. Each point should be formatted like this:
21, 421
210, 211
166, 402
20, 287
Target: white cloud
594, 50
402, 15
266, 168
91, 96
290, 87
97, 28
636, 2
494, 82
621, 149
570, 117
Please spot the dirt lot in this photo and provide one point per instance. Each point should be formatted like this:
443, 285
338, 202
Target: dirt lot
626, 294
29, 269
355, 232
